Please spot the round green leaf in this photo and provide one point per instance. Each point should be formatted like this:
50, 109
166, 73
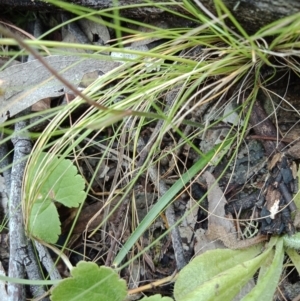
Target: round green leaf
62, 182
92, 283
44, 222
58, 182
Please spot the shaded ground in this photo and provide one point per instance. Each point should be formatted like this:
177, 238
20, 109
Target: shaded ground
257, 189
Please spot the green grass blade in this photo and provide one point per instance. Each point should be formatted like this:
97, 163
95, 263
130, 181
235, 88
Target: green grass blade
29, 281
167, 199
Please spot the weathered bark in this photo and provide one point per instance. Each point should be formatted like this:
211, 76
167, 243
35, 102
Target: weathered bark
97, 4
252, 14
18, 256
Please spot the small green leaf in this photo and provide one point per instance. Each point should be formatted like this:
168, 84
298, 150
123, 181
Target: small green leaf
267, 284
63, 183
157, 298
44, 221
59, 182
92, 283
226, 282
201, 269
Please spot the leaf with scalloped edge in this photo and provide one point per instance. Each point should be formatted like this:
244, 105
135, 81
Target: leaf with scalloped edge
92, 283
44, 222
59, 183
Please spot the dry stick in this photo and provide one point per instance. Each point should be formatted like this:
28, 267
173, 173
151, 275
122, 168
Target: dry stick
43, 252
21, 247
47, 261
34, 273
18, 242
32, 267
285, 140
162, 187
5, 161
287, 196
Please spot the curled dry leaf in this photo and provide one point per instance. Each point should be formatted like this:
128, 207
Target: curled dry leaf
216, 208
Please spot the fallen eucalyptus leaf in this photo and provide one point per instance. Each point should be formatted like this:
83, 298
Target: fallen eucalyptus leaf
23, 85
217, 218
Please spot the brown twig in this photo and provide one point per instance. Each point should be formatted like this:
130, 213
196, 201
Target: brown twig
258, 137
